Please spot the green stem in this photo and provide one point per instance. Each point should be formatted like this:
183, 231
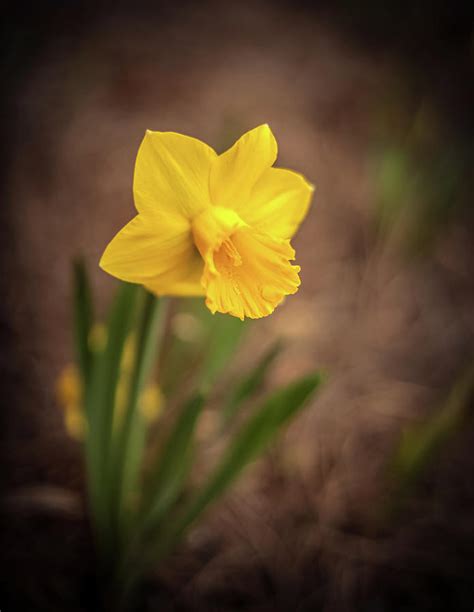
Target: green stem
129, 442
99, 401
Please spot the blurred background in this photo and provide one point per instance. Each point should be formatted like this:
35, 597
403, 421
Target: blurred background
366, 504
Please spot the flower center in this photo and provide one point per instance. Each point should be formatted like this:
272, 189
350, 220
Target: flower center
212, 232
227, 256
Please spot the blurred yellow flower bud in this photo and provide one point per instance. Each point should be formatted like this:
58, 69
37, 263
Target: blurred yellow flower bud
69, 393
151, 403
69, 387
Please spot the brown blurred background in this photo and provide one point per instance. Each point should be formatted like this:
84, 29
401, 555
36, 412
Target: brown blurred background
373, 103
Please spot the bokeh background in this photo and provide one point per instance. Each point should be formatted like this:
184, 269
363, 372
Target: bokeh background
367, 502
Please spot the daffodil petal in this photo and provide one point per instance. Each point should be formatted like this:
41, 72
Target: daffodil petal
278, 202
172, 174
191, 286
158, 253
235, 172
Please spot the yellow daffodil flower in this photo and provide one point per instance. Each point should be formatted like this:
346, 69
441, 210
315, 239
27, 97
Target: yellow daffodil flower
213, 225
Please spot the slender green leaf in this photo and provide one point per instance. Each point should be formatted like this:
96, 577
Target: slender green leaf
250, 383
173, 464
254, 437
421, 443
100, 401
130, 439
166, 482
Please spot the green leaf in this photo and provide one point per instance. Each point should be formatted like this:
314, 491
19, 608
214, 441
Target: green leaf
129, 441
421, 443
165, 484
100, 402
83, 317
250, 383
172, 467
254, 437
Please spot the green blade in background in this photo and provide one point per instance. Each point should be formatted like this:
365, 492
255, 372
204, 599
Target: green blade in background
165, 484
129, 442
254, 437
250, 384
83, 317
100, 401
420, 444
173, 464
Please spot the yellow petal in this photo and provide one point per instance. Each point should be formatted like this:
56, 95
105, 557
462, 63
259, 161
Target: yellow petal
172, 174
235, 172
158, 253
278, 202
247, 273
